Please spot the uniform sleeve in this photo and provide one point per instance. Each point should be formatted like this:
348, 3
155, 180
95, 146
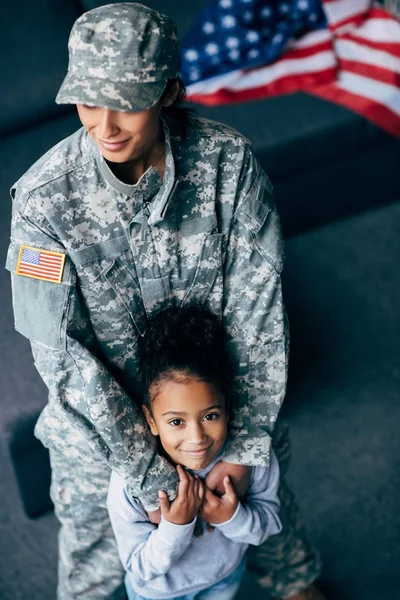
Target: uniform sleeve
257, 518
255, 318
53, 317
146, 551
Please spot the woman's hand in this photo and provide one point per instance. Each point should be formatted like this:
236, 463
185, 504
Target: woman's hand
188, 501
238, 474
217, 509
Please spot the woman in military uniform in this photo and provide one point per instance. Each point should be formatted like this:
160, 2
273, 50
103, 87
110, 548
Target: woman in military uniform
138, 211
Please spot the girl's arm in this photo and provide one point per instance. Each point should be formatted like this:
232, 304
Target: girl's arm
146, 551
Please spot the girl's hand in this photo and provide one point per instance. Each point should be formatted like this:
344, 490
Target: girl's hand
239, 475
219, 510
154, 517
187, 503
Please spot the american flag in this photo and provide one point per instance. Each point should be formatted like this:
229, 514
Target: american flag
346, 51
41, 264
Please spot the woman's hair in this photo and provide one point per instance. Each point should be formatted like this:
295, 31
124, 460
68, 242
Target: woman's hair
177, 111
182, 344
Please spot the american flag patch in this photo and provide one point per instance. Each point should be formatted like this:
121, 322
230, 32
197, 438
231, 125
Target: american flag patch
40, 264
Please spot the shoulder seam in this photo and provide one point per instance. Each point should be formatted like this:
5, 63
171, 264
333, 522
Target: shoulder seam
77, 166
232, 134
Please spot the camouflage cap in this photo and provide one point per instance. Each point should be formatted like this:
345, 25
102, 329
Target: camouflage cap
120, 57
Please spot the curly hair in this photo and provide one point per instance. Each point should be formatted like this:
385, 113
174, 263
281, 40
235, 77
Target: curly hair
180, 344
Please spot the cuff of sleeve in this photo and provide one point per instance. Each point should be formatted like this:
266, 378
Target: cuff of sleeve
257, 450
238, 523
170, 533
167, 480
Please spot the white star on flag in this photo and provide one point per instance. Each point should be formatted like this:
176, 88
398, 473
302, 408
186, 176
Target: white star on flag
234, 54
194, 75
228, 21
211, 49
191, 55
248, 15
252, 36
266, 12
253, 53
277, 38
208, 27
232, 42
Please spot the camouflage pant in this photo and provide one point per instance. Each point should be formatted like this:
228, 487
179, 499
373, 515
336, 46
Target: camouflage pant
89, 566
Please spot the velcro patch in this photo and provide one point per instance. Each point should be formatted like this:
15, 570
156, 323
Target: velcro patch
40, 264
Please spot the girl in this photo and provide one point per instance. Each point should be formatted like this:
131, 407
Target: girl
185, 375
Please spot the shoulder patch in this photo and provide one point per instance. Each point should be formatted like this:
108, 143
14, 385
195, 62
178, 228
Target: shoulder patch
40, 264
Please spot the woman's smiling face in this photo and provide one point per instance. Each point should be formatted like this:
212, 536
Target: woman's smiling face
191, 421
121, 136
126, 136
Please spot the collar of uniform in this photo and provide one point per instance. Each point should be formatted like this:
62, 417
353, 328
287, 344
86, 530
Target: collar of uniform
149, 182
161, 200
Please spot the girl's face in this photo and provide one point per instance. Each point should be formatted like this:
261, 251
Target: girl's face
191, 420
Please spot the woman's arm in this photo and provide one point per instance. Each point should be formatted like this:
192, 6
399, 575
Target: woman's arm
52, 316
254, 317
146, 551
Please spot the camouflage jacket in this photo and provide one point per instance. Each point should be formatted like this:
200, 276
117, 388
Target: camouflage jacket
207, 233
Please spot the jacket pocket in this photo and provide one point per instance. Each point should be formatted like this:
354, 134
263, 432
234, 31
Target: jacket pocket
126, 287
109, 286
209, 267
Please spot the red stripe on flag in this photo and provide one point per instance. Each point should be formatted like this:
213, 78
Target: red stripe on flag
380, 13
284, 85
371, 71
39, 272
51, 258
41, 267
23, 271
375, 112
355, 20
305, 52
49, 264
54, 265
389, 47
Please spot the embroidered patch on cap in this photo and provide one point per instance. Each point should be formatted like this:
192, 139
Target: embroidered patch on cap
40, 264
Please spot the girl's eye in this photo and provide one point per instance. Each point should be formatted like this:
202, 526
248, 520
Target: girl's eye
211, 416
176, 422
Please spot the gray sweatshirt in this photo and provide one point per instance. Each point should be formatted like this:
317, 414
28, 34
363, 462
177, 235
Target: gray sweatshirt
168, 560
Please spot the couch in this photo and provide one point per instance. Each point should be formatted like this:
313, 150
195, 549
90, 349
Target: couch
332, 172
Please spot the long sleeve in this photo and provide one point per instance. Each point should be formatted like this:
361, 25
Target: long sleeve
146, 551
52, 316
257, 517
254, 317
